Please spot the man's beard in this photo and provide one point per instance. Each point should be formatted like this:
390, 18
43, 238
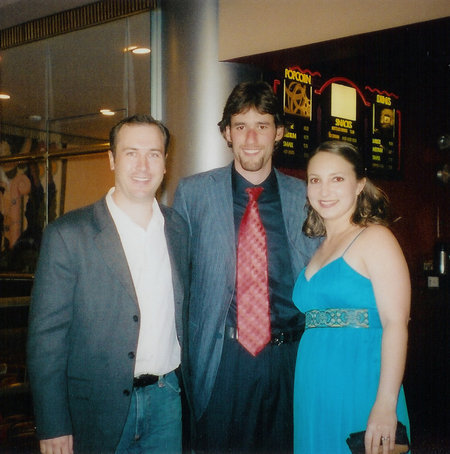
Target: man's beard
252, 165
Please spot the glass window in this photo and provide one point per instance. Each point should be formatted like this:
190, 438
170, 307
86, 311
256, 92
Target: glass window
53, 136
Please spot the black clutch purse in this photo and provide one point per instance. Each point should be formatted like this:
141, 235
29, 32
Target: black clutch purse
356, 441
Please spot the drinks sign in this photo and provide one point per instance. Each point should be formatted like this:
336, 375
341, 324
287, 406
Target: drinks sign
385, 128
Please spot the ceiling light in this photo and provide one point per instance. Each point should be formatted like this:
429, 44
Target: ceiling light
4, 96
141, 50
137, 50
108, 112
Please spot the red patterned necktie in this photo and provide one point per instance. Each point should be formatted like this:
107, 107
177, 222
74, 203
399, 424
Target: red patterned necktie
252, 286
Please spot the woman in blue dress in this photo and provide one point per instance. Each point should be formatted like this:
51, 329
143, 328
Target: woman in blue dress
355, 293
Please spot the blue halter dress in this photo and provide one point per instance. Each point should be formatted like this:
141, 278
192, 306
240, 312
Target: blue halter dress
338, 361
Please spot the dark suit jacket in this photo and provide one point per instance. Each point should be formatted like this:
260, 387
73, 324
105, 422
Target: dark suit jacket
206, 202
84, 325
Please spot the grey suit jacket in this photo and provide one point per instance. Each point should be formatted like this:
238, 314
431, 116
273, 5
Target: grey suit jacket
84, 325
205, 201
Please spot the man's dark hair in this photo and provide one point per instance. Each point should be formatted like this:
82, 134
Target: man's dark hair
138, 119
246, 95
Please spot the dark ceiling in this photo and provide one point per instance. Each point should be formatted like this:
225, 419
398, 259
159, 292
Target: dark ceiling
385, 57
14, 12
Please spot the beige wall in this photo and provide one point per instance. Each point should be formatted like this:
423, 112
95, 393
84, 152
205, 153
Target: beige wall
248, 27
88, 179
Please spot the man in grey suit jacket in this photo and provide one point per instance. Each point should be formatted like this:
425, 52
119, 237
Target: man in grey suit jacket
105, 325
243, 403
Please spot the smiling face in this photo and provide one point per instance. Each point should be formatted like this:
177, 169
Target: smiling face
139, 164
252, 136
332, 186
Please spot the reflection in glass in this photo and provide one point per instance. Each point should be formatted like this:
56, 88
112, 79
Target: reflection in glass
53, 138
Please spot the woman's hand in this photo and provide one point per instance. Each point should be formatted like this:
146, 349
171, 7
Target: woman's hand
381, 429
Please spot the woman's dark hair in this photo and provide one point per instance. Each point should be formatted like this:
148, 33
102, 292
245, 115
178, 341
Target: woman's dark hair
372, 205
138, 119
246, 95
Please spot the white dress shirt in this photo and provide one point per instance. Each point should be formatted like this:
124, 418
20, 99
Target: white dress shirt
158, 350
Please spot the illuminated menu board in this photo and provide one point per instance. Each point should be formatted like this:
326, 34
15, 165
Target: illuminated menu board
385, 128
297, 99
337, 109
341, 105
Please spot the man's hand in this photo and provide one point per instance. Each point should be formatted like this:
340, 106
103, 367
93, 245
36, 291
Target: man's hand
59, 445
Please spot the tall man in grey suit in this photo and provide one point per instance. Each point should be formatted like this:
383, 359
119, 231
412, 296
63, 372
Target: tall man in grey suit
242, 402
105, 324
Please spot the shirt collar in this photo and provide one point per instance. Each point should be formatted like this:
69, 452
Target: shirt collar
120, 216
240, 184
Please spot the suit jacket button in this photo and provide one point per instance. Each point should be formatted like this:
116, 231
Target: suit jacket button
131, 355
135, 318
126, 392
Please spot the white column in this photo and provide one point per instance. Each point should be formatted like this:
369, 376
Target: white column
194, 86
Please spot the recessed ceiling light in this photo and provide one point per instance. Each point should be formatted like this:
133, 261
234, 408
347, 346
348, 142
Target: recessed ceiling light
4, 96
137, 50
35, 118
108, 112
141, 50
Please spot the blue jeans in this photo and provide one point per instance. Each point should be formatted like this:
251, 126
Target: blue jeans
153, 424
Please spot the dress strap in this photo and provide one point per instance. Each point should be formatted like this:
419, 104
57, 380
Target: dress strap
351, 242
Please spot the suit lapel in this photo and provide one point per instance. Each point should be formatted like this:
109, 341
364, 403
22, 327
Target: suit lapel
110, 247
173, 245
292, 215
220, 192
287, 206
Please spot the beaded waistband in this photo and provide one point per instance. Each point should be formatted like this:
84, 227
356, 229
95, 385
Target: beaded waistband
337, 318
